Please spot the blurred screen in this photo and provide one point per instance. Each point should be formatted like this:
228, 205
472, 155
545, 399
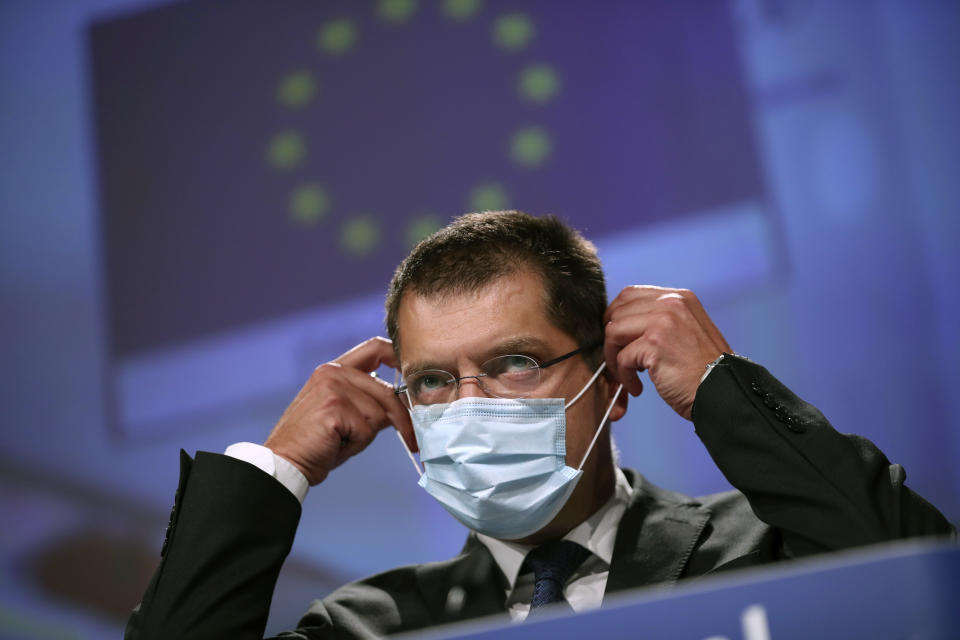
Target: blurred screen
257, 163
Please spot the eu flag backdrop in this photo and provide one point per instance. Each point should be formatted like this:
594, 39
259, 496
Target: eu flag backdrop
258, 158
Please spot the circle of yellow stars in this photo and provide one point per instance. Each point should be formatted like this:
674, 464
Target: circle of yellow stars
530, 146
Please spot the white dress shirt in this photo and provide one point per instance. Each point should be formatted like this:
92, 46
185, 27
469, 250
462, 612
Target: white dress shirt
273, 465
584, 589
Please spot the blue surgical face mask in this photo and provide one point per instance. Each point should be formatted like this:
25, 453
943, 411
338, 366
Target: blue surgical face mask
499, 465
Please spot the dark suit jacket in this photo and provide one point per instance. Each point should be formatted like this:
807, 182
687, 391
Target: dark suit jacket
803, 489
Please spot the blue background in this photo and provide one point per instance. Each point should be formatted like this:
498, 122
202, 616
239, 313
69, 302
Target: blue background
125, 213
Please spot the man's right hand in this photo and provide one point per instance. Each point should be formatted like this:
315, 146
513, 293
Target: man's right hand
339, 411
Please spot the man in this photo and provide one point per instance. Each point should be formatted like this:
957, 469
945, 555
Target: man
512, 364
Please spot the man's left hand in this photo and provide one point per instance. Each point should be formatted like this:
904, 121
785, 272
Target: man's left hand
665, 332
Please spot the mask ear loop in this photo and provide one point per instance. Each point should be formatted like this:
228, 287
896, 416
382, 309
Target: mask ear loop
605, 415
409, 453
590, 382
600, 428
416, 465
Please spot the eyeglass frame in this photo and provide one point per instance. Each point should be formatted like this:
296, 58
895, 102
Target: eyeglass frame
403, 389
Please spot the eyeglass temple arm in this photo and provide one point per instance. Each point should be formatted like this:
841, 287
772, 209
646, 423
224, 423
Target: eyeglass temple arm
397, 391
550, 363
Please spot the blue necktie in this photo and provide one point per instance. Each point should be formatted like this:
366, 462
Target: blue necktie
552, 564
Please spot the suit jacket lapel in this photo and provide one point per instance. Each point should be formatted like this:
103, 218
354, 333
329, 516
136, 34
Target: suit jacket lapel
656, 536
471, 586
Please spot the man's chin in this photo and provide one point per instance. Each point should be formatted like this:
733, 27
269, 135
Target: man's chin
556, 529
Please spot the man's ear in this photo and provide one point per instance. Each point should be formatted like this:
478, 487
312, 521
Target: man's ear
610, 387
620, 408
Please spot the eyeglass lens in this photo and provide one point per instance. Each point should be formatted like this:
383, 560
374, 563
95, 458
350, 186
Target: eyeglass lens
510, 376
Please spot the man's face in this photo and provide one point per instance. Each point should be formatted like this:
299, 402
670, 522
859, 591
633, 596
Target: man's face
459, 333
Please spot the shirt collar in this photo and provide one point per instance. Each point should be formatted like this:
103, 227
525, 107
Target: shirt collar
597, 533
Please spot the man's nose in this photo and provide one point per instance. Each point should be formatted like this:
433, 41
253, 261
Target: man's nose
471, 387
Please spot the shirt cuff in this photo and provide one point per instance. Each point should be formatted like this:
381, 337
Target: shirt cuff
710, 368
713, 365
273, 465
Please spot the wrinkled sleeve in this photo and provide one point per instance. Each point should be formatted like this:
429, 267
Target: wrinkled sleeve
230, 531
822, 490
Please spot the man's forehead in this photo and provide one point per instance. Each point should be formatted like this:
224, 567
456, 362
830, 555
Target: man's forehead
508, 311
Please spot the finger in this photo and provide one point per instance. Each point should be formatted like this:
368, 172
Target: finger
634, 376
392, 406
670, 312
369, 406
367, 357
382, 410
634, 295
634, 317
634, 356
705, 321
355, 429
614, 342
638, 292
690, 304
311, 434
370, 354
626, 295
334, 389
632, 337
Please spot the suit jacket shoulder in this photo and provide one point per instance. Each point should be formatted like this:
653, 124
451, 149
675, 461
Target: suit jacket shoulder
411, 597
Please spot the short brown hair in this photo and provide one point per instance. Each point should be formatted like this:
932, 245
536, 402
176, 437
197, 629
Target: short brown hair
477, 248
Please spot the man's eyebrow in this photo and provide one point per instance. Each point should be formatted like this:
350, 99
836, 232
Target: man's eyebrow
516, 344
416, 367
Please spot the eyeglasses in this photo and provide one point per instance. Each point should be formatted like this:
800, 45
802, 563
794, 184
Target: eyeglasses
509, 376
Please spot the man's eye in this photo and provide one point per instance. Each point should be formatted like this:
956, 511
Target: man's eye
513, 364
510, 365
429, 382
